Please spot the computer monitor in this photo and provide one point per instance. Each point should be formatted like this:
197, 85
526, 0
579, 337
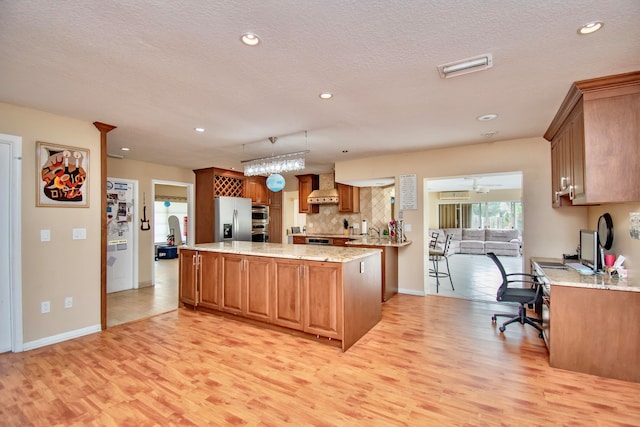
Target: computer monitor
589, 250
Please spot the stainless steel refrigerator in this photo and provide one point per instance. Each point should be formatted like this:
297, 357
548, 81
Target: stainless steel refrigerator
232, 219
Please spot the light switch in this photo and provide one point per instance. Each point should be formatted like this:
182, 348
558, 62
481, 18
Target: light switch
79, 233
361, 266
45, 235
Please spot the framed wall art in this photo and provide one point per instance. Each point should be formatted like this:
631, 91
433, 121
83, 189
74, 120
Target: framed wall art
62, 176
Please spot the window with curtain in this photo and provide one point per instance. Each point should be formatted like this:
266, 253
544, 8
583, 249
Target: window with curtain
501, 215
162, 210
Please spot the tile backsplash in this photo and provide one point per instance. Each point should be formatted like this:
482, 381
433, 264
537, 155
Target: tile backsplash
375, 208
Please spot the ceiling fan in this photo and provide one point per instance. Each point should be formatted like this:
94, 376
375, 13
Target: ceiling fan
481, 188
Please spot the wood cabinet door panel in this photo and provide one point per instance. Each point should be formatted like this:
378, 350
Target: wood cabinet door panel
275, 224
258, 288
187, 260
306, 184
209, 279
348, 199
287, 301
232, 281
322, 300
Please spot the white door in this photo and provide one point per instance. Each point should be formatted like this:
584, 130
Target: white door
122, 234
10, 245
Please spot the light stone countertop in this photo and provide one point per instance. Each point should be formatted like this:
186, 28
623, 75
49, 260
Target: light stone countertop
277, 250
374, 241
357, 240
570, 277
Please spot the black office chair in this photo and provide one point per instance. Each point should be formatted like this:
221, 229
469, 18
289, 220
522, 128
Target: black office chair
435, 256
531, 294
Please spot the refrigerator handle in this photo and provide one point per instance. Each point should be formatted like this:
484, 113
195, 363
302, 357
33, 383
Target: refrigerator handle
235, 224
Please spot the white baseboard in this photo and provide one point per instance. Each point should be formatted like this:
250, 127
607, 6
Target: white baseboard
411, 292
61, 337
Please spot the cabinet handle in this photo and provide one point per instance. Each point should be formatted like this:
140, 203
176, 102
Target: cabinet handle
572, 194
193, 259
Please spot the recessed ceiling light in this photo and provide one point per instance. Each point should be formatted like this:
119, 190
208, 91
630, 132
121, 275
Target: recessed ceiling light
345, 151
591, 27
199, 129
490, 134
250, 39
125, 149
486, 117
326, 95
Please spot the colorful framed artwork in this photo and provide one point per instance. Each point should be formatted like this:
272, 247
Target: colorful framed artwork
62, 176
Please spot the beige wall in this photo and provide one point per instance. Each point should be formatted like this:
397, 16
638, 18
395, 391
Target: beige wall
144, 173
547, 232
62, 267
623, 244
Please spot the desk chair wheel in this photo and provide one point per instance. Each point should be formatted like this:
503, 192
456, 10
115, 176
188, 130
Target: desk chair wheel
540, 335
493, 319
501, 328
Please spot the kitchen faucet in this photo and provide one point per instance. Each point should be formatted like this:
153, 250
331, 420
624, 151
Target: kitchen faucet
377, 230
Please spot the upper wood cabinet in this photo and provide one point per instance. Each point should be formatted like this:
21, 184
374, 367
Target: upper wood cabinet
211, 182
348, 199
594, 142
255, 188
306, 184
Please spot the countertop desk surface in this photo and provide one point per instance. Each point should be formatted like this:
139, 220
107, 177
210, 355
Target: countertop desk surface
567, 276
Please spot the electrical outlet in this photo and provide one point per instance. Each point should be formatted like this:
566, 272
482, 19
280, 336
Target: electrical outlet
45, 307
45, 235
68, 302
361, 266
407, 227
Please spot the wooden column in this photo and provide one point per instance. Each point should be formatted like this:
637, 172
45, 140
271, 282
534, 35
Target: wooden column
104, 129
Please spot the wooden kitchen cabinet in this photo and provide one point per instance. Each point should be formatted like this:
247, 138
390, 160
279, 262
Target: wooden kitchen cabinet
255, 188
348, 199
209, 279
274, 198
246, 286
211, 182
299, 240
188, 276
287, 293
322, 305
232, 279
257, 288
306, 184
275, 224
594, 142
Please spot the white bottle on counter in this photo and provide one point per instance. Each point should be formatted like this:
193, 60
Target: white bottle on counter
364, 226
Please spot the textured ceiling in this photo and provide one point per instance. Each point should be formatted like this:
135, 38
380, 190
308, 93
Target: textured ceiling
157, 69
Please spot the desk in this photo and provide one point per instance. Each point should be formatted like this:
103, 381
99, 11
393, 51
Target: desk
596, 322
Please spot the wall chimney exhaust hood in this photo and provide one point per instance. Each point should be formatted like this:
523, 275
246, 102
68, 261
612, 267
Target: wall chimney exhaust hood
323, 197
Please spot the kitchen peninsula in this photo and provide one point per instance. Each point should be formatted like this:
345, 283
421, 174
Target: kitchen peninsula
331, 292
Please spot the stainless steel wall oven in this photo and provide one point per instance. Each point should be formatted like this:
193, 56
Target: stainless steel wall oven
260, 223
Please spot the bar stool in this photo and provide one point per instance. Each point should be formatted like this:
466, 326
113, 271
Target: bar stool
435, 256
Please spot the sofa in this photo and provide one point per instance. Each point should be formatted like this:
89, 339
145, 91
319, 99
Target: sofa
480, 240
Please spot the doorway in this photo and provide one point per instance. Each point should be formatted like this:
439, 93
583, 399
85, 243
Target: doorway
160, 294
10, 244
477, 201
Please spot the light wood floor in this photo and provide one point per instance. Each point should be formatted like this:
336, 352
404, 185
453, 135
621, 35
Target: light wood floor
135, 304
431, 361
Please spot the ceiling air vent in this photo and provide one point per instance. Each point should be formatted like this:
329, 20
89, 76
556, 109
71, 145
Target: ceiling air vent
465, 66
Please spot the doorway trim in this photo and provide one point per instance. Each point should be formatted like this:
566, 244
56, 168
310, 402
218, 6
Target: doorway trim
190, 211
15, 240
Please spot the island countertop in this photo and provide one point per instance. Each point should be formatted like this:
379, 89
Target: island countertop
567, 276
278, 250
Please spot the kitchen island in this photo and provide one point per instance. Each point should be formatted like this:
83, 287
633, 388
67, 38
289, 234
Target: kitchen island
596, 321
326, 291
